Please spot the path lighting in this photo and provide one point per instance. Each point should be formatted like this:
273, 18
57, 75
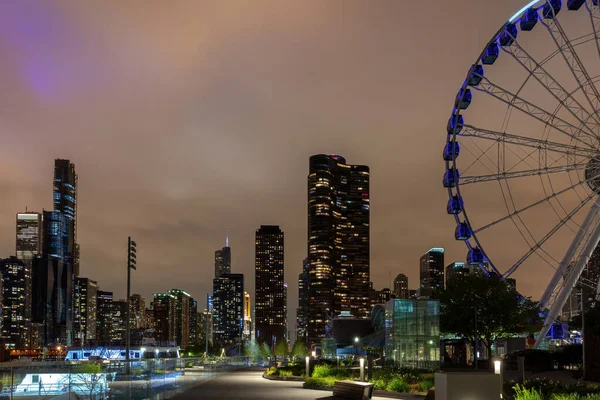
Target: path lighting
307, 366
497, 366
362, 369
498, 371
314, 354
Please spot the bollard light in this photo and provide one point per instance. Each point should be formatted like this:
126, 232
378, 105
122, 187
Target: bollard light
307, 366
362, 369
314, 354
497, 366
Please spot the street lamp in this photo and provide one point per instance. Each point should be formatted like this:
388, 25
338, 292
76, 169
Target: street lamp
131, 264
356, 339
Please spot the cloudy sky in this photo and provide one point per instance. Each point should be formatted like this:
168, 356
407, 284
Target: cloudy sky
187, 119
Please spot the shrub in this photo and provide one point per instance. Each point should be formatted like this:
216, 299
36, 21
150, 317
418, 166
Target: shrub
324, 371
523, 393
379, 384
272, 371
321, 371
571, 396
398, 385
320, 382
426, 383
285, 373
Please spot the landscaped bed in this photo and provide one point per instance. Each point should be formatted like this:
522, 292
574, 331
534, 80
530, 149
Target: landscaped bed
545, 389
388, 379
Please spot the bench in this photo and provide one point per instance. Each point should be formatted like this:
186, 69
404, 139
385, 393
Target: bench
353, 390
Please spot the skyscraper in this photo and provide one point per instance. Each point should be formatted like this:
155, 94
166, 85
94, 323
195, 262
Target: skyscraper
104, 317
269, 304
15, 322
228, 308
338, 241
86, 307
302, 310
432, 271
247, 316
65, 202
223, 259
29, 235
401, 290
52, 283
456, 268
181, 319
164, 317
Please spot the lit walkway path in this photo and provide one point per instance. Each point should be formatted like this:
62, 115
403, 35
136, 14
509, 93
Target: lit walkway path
249, 384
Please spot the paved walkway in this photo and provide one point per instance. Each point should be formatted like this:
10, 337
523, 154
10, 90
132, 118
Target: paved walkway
248, 384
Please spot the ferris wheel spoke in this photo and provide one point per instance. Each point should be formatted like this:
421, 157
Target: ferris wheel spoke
594, 11
467, 180
529, 207
545, 145
575, 65
537, 71
539, 244
486, 86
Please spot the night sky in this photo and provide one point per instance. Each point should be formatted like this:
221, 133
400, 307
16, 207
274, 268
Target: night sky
187, 119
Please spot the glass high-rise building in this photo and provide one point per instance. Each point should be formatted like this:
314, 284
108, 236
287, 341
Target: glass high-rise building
456, 268
431, 271
228, 308
15, 322
302, 310
86, 307
29, 235
269, 300
104, 317
164, 317
338, 242
247, 317
401, 290
181, 318
65, 202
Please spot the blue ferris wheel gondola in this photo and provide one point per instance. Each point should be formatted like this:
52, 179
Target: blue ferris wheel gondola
455, 122
451, 151
475, 75
455, 205
463, 231
451, 178
491, 54
464, 98
508, 36
530, 19
575, 5
551, 8
475, 257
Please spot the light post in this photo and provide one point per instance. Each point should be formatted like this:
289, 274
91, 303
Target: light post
131, 264
498, 371
362, 369
476, 349
356, 339
307, 366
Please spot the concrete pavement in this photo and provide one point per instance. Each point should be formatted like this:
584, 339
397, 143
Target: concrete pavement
248, 384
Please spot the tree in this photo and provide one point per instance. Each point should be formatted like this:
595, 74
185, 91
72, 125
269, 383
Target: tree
490, 303
265, 351
89, 376
299, 349
281, 348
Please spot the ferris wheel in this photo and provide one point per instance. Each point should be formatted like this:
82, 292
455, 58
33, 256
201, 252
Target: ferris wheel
523, 151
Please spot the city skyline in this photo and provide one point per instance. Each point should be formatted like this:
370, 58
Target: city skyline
180, 216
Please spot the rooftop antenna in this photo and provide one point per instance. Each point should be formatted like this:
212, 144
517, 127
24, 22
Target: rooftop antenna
226, 239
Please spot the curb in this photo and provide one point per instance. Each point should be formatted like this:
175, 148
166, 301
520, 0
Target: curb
282, 378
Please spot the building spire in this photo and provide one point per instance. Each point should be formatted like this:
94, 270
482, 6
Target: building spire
226, 239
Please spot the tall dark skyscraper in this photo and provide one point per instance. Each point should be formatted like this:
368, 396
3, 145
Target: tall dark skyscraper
456, 268
432, 271
302, 311
104, 317
228, 308
401, 290
338, 242
65, 202
15, 320
269, 302
164, 317
182, 316
223, 259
